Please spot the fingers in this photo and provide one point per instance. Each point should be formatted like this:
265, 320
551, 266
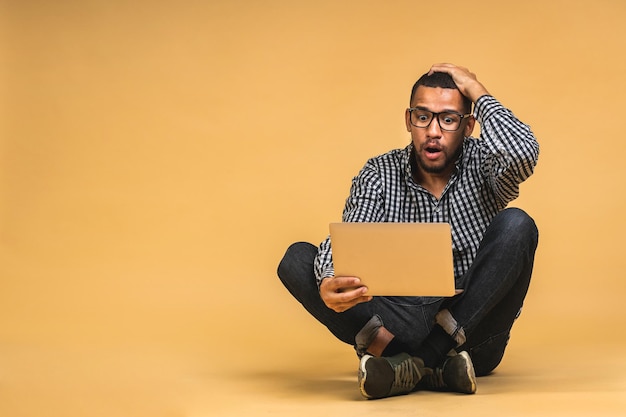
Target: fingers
465, 80
341, 284
345, 303
447, 68
342, 293
460, 75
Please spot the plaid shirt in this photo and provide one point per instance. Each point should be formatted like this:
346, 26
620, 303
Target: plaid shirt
486, 179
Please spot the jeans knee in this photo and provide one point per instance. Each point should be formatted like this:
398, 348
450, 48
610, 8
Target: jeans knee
517, 223
487, 355
297, 255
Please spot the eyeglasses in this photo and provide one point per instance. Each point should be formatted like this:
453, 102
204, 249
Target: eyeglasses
448, 120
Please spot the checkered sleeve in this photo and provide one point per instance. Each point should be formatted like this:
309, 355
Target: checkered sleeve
510, 150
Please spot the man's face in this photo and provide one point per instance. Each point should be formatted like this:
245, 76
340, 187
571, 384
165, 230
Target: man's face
437, 150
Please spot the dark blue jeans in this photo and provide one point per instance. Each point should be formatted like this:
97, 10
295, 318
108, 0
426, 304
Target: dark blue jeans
494, 290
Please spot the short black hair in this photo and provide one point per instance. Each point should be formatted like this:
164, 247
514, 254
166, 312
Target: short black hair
441, 80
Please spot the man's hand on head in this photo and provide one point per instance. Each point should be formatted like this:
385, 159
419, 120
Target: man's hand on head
342, 293
465, 80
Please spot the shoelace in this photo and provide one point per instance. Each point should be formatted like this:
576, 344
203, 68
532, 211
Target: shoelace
435, 380
407, 375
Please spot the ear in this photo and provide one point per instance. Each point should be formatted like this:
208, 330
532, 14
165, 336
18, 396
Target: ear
469, 126
407, 120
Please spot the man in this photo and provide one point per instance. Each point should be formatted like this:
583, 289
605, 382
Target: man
443, 175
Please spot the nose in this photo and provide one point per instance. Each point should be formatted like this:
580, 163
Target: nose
434, 129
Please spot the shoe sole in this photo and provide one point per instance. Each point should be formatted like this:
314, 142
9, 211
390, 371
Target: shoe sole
363, 376
471, 375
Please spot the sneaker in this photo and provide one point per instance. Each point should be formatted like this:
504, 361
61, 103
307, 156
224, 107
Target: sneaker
456, 375
385, 377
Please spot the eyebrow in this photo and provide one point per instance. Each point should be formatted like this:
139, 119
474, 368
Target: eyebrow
443, 111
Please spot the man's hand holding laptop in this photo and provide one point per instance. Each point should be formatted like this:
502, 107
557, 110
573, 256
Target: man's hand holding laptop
342, 293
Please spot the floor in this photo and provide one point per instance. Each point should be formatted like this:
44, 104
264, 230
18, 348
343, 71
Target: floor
258, 373
561, 385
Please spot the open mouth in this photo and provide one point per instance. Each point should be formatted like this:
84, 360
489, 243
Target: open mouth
432, 150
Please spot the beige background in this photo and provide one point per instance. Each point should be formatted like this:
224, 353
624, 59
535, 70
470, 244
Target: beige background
158, 157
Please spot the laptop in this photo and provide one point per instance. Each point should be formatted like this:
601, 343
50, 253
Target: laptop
395, 259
